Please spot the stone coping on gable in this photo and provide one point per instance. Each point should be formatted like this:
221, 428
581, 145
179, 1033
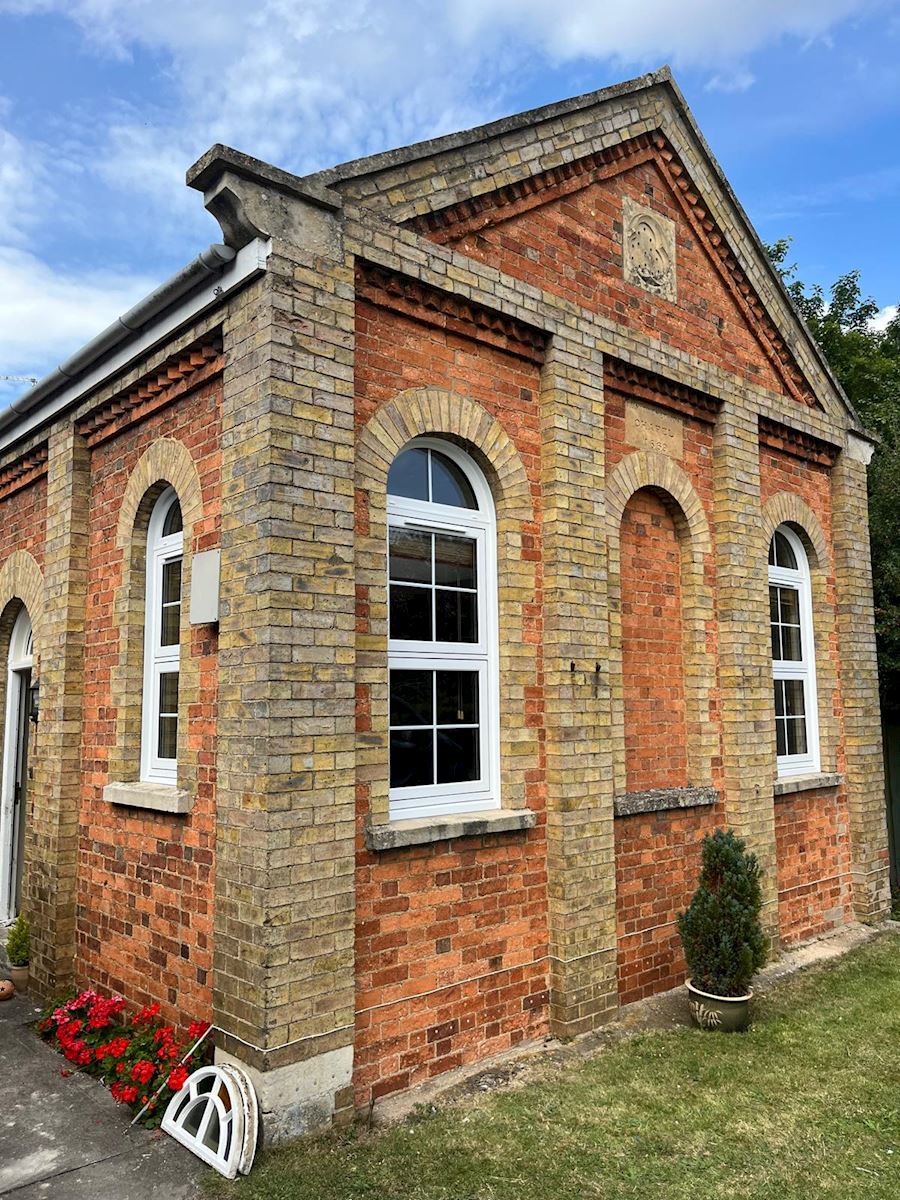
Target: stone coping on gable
392, 835
155, 796
806, 783
630, 804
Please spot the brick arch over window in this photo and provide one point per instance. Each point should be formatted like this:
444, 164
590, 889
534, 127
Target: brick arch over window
437, 413
165, 463
656, 472
786, 508
21, 580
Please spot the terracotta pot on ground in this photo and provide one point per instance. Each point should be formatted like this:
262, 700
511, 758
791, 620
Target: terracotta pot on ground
727, 1014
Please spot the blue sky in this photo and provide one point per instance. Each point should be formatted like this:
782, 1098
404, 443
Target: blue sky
104, 103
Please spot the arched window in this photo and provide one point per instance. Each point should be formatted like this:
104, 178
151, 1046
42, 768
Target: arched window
793, 656
443, 648
162, 641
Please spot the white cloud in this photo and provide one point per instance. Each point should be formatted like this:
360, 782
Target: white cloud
697, 33
304, 84
884, 317
45, 314
308, 82
737, 80
23, 192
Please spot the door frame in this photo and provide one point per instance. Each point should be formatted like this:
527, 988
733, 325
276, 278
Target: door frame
20, 662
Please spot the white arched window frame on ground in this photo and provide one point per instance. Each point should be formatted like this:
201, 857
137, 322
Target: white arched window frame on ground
216, 1117
793, 656
162, 641
444, 697
15, 761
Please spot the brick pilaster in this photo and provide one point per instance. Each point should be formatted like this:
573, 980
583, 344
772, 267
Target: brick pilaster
56, 787
284, 906
859, 683
745, 657
580, 849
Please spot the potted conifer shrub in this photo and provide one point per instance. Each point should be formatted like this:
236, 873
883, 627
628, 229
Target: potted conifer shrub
723, 939
17, 951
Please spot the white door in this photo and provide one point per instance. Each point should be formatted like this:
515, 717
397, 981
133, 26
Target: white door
15, 766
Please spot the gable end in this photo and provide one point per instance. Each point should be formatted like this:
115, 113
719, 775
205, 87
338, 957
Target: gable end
475, 213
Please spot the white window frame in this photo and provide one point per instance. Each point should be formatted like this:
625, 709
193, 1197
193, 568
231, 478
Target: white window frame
792, 765
483, 794
158, 659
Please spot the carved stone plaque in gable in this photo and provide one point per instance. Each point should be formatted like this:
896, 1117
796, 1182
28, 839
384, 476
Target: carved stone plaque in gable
648, 249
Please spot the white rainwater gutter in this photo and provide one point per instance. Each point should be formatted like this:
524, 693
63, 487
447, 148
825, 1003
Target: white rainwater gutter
202, 284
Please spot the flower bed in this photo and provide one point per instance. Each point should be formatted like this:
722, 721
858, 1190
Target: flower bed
132, 1055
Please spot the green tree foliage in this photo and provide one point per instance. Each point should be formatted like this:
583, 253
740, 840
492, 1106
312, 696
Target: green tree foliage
17, 942
866, 363
723, 940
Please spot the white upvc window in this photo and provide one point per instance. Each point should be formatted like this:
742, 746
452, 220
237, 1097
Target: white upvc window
443, 639
162, 641
793, 656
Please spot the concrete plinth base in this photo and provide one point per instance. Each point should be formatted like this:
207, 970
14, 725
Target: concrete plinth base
301, 1097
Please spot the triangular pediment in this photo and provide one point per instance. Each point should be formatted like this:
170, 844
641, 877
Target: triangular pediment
459, 187
567, 224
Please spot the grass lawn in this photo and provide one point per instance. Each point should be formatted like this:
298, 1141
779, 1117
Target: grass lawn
806, 1104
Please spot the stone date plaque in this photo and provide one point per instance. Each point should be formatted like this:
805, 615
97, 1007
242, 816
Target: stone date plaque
650, 428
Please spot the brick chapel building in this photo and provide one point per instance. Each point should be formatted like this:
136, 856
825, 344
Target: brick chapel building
411, 582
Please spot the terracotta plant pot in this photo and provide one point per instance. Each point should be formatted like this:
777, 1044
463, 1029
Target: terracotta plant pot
727, 1014
19, 976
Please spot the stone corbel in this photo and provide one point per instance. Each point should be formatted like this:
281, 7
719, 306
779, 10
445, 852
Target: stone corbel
858, 448
251, 199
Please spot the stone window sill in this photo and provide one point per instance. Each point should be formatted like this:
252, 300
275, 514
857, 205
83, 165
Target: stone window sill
630, 804
157, 797
395, 834
806, 783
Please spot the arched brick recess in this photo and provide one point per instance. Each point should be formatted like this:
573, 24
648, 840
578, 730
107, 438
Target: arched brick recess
439, 413
786, 508
648, 469
166, 462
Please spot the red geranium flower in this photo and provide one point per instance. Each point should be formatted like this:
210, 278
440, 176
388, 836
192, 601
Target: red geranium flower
125, 1093
177, 1078
143, 1071
146, 1014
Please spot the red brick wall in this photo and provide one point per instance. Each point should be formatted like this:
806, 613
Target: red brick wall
23, 521
451, 948
451, 945
652, 658
813, 854
572, 246
657, 868
144, 920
